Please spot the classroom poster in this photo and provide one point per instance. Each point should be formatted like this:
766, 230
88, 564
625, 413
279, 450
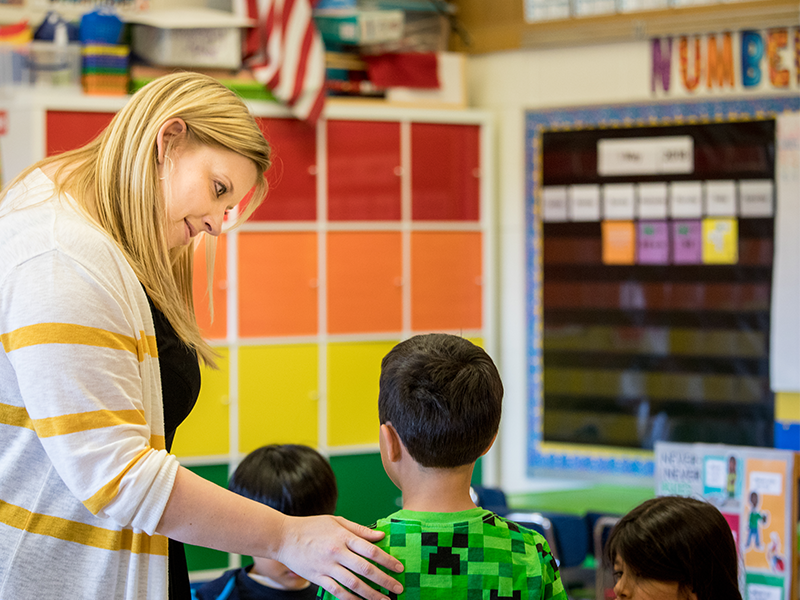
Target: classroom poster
754, 490
765, 516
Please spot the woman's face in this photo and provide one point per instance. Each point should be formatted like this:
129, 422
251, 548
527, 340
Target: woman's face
630, 587
201, 183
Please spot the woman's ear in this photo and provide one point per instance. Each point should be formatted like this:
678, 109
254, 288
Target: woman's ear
168, 133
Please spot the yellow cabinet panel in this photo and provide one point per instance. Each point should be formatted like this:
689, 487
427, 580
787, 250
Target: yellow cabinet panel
278, 395
205, 431
353, 372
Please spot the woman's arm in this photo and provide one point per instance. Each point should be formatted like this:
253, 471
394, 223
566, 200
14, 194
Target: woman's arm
326, 550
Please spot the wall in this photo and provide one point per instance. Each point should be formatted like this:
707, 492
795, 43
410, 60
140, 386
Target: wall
508, 84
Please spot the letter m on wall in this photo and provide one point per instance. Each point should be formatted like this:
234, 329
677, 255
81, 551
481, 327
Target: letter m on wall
720, 62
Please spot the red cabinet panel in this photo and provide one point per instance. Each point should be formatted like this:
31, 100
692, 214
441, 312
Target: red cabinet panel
292, 178
67, 130
445, 172
363, 171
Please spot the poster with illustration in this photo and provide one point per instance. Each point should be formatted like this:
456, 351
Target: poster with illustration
722, 481
754, 490
764, 524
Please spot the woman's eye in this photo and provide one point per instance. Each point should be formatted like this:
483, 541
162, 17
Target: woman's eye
617, 575
220, 188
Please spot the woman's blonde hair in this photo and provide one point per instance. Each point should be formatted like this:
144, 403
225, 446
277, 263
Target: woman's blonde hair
118, 170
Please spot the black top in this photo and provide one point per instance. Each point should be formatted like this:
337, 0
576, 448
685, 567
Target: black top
236, 584
180, 386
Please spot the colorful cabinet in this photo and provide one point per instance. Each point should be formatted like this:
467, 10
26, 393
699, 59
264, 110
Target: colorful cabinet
377, 226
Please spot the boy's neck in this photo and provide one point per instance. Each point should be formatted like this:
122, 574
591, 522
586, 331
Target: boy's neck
437, 490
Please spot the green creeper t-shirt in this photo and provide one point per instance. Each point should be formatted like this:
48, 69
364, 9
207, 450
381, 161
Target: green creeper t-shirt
470, 555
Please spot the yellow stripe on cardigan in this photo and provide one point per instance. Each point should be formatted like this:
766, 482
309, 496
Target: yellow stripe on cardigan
96, 419
82, 533
69, 333
17, 416
110, 490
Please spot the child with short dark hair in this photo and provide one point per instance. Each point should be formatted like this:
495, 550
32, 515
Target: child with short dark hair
439, 406
295, 480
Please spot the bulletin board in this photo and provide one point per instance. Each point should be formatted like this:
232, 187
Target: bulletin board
649, 246
754, 489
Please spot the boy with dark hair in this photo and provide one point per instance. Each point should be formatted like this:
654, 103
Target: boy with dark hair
439, 406
295, 480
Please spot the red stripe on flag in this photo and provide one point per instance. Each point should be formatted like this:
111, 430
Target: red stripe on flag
316, 108
288, 5
254, 38
289, 57
302, 64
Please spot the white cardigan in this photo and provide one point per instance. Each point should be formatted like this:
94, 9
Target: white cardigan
84, 477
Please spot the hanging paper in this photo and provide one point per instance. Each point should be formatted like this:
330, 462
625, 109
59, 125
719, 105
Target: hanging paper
720, 198
686, 200
619, 201
653, 242
652, 201
554, 203
720, 241
687, 242
584, 202
755, 198
619, 242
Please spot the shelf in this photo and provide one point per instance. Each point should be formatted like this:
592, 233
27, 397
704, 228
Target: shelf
498, 28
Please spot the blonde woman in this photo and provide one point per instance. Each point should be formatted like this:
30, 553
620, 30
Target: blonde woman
99, 362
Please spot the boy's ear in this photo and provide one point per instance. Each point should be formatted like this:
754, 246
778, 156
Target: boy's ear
489, 447
391, 441
170, 130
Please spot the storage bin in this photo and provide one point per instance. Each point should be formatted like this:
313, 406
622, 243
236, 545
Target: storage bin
15, 65
219, 47
105, 69
55, 65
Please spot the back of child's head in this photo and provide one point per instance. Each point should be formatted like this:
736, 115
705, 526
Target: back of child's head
678, 539
443, 395
293, 479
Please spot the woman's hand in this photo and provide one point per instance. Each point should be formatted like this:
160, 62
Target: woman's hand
332, 552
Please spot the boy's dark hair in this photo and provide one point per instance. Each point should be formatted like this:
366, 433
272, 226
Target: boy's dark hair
294, 479
673, 538
443, 396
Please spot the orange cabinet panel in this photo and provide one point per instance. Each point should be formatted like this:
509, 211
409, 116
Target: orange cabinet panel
277, 284
364, 282
446, 280
445, 172
363, 171
292, 178
68, 129
217, 327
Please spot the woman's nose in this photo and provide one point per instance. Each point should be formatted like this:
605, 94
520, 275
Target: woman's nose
213, 223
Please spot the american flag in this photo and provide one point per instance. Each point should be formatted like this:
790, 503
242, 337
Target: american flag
285, 52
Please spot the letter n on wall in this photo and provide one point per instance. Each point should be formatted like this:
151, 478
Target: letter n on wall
662, 64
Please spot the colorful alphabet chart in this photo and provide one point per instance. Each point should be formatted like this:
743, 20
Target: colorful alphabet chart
754, 489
